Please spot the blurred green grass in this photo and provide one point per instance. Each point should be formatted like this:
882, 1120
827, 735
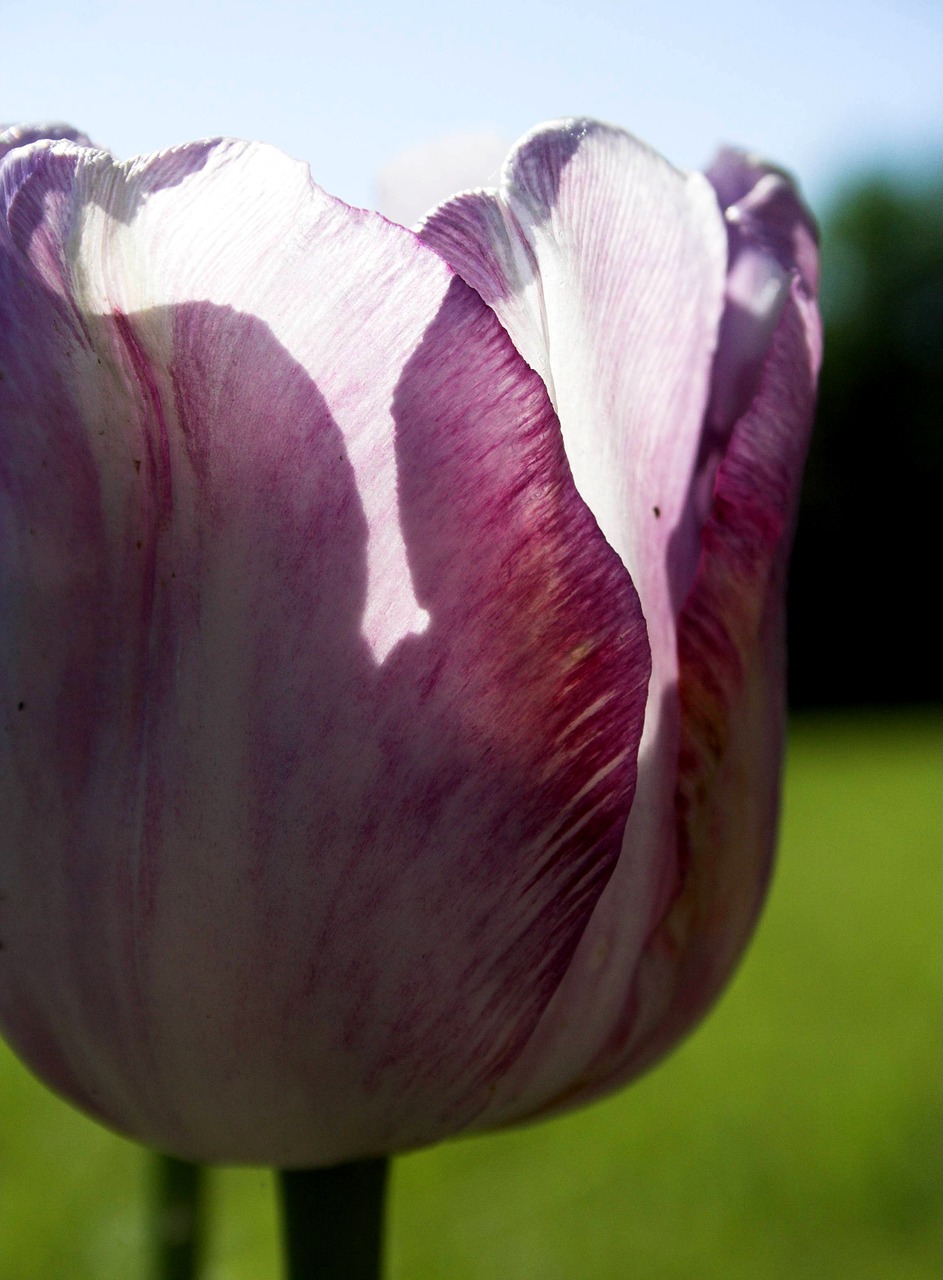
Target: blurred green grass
796, 1132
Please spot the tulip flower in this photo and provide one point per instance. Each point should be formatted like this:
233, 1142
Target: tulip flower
392, 630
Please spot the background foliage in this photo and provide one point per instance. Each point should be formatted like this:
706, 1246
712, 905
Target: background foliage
865, 565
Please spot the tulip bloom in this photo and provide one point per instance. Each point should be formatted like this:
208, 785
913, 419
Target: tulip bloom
391, 627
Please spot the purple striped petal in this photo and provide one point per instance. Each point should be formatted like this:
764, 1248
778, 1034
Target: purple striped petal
607, 266
321, 689
681, 358
732, 696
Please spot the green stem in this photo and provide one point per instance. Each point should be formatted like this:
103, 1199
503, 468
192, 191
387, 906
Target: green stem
176, 1217
332, 1221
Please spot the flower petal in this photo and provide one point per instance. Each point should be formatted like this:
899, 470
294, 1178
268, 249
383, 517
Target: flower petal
732, 700
321, 690
20, 135
772, 235
607, 266
731, 646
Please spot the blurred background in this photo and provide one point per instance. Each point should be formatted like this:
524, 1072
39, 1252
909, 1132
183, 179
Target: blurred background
797, 1130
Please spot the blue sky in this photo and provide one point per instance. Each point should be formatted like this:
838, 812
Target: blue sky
822, 86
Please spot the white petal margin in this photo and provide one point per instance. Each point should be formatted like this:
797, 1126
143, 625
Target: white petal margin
607, 266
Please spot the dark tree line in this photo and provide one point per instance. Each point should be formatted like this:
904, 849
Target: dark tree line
866, 571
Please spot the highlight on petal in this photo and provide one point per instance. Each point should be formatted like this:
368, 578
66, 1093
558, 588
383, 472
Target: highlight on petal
322, 690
